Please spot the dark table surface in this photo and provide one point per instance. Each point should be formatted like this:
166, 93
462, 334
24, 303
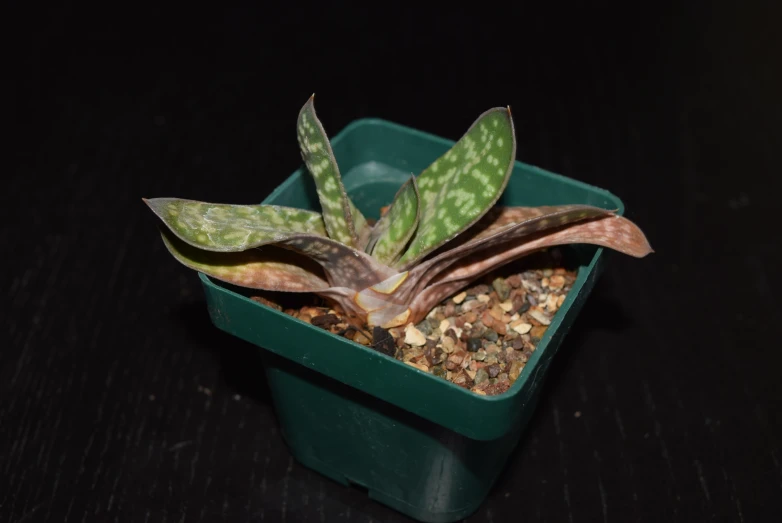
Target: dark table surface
119, 401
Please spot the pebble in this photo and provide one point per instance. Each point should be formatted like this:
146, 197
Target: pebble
540, 316
454, 332
450, 309
418, 366
453, 361
515, 370
413, 336
538, 331
520, 326
424, 327
502, 288
448, 344
459, 298
473, 344
551, 303
491, 335
444, 324
556, 282
460, 379
472, 305
360, 337
480, 376
497, 313
514, 281
412, 354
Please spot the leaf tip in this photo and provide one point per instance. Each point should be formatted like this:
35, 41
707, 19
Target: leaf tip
151, 203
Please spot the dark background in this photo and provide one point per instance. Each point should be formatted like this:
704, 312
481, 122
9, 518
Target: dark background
119, 401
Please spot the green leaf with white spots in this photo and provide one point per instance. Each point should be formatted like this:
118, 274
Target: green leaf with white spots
344, 222
270, 268
231, 228
463, 184
394, 230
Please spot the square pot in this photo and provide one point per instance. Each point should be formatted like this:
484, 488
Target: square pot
416, 442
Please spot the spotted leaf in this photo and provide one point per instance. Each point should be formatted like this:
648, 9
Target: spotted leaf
344, 265
460, 186
611, 231
270, 268
505, 225
344, 222
394, 230
231, 228
501, 225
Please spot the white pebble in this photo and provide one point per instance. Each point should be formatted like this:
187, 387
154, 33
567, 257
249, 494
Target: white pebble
540, 316
413, 336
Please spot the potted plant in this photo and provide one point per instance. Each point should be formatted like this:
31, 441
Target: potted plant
382, 383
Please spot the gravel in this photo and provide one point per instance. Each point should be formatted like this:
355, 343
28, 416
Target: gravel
480, 339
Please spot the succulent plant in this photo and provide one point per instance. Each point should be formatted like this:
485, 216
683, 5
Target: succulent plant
442, 231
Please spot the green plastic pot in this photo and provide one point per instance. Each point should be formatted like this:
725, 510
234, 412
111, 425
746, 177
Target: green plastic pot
415, 442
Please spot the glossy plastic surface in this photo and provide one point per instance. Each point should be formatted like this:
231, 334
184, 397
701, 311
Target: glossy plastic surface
416, 442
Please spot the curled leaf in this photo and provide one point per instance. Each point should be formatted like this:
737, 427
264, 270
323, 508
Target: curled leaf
238, 228
502, 225
270, 268
612, 232
506, 224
